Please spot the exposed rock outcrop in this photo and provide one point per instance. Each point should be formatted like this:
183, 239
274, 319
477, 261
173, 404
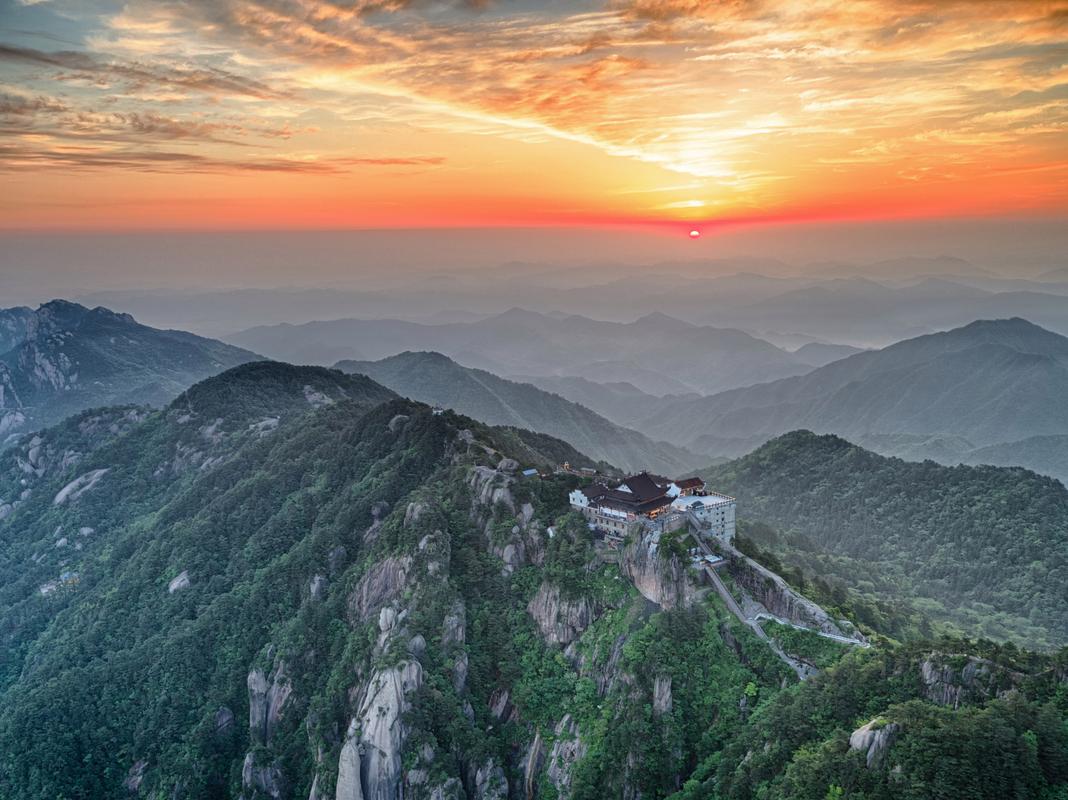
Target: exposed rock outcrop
533, 762
560, 621
382, 730
135, 777
453, 636
874, 738
489, 782
568, 749
224, 722
381, 584
490, 487
179, 582
267, 698
79, 486
662, 695
961, 680
662, 578
261, 780
349, 785
607, 672
774, 594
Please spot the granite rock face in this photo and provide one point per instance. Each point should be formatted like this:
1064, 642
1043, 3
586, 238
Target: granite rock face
567, 750
560, 621
267, 699
661, 578
349, 785
382, 730
961, 680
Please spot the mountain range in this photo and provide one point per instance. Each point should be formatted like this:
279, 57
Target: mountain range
64, 358
869, 305
961, 395
657, 353
438, 380
290, 583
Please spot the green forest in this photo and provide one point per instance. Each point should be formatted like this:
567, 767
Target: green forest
260, 562
910, 547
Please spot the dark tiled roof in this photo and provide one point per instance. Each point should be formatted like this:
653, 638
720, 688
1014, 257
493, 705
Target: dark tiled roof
643, 487
595, 490
689, 483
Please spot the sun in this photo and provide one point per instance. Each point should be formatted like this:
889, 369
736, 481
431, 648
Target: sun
695, 234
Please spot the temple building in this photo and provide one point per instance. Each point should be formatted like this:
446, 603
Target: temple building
644, 498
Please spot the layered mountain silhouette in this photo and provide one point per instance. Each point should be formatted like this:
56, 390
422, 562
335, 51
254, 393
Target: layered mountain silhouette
986, 384
433, 378
658, 354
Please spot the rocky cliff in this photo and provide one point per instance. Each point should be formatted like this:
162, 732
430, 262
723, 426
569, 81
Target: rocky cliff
662, 578
773, 593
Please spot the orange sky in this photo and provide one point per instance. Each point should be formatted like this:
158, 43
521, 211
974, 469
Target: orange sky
387, 113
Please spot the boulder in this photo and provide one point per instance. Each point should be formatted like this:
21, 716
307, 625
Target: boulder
875, 738
181, 581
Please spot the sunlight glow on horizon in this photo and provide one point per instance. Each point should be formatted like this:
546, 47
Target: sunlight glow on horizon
659, 114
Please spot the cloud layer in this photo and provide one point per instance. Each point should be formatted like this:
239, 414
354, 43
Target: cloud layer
755, 107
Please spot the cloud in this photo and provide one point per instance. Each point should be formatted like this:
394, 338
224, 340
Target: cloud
754, 99
76, 65
19, 156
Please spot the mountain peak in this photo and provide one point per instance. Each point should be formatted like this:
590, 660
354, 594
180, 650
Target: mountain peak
64, 315
517, 314
263, 389
659, 319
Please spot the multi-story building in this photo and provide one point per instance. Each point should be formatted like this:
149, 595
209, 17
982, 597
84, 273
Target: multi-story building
643, 498
714, 513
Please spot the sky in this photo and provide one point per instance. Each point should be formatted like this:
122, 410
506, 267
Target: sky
662, 115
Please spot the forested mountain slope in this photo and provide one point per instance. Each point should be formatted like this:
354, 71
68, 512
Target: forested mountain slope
70, 358
985, 548
291, 584
434, 378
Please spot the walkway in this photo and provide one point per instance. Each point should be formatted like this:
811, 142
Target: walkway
802, 669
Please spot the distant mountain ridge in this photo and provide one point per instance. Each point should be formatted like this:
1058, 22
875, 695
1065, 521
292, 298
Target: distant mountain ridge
434, 378
658, 353
988, 383
66, 358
